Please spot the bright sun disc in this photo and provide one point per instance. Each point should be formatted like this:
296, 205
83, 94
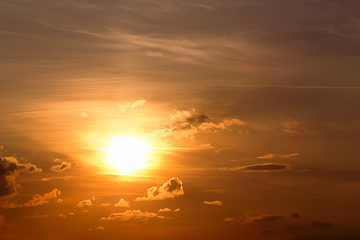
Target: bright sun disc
128, 153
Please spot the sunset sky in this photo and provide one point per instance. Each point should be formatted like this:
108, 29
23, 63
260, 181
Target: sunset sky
179, 119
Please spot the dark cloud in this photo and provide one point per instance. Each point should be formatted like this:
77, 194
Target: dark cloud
9, 168
266, 218
61, 166
271, 217
288, 228
266, 167
295, 215
36, 200
170, 189
321, 224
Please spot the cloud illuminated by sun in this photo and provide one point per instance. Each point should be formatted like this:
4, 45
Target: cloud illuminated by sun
127, 154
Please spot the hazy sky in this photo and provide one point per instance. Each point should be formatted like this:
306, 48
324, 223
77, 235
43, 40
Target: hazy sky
176, 119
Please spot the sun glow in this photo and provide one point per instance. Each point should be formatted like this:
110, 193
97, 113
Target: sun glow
128, 154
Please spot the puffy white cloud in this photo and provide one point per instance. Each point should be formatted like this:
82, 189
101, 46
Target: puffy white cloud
131, 215
105, 204
216, 203
165, 210
122, 203
83, 203
170, 189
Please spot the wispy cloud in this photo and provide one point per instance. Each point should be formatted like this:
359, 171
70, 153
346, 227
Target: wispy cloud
276, 155
266, 167
215, 203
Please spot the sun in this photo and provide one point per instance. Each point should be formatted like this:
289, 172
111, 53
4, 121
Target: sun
128, 154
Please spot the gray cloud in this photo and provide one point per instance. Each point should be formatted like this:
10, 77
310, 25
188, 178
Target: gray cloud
36, 200
266, 218
61, 166
170, 189
185, 124
271, 217
295, 215
9, 168
321, 224
265, 167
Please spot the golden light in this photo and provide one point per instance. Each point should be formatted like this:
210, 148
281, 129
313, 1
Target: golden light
128, 154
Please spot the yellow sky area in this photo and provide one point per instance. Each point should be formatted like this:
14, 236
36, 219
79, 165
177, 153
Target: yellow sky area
117, 137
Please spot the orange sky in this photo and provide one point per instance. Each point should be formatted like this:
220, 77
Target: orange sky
179, 119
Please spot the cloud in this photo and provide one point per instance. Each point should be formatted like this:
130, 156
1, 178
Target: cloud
265, 218
170, 189
83, 203
321, 224
138, 103
105, 204
271, 217
216, 203
122, 203
229, 219
209, 127
9, 169
84, 115
132, 215
100, 228
37, 200
185, 124
295, 215
291, 126
2, 217
165, 210
266, 167
61, 166
274, 155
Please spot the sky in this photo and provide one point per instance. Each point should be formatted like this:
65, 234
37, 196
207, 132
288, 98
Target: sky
216, 119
